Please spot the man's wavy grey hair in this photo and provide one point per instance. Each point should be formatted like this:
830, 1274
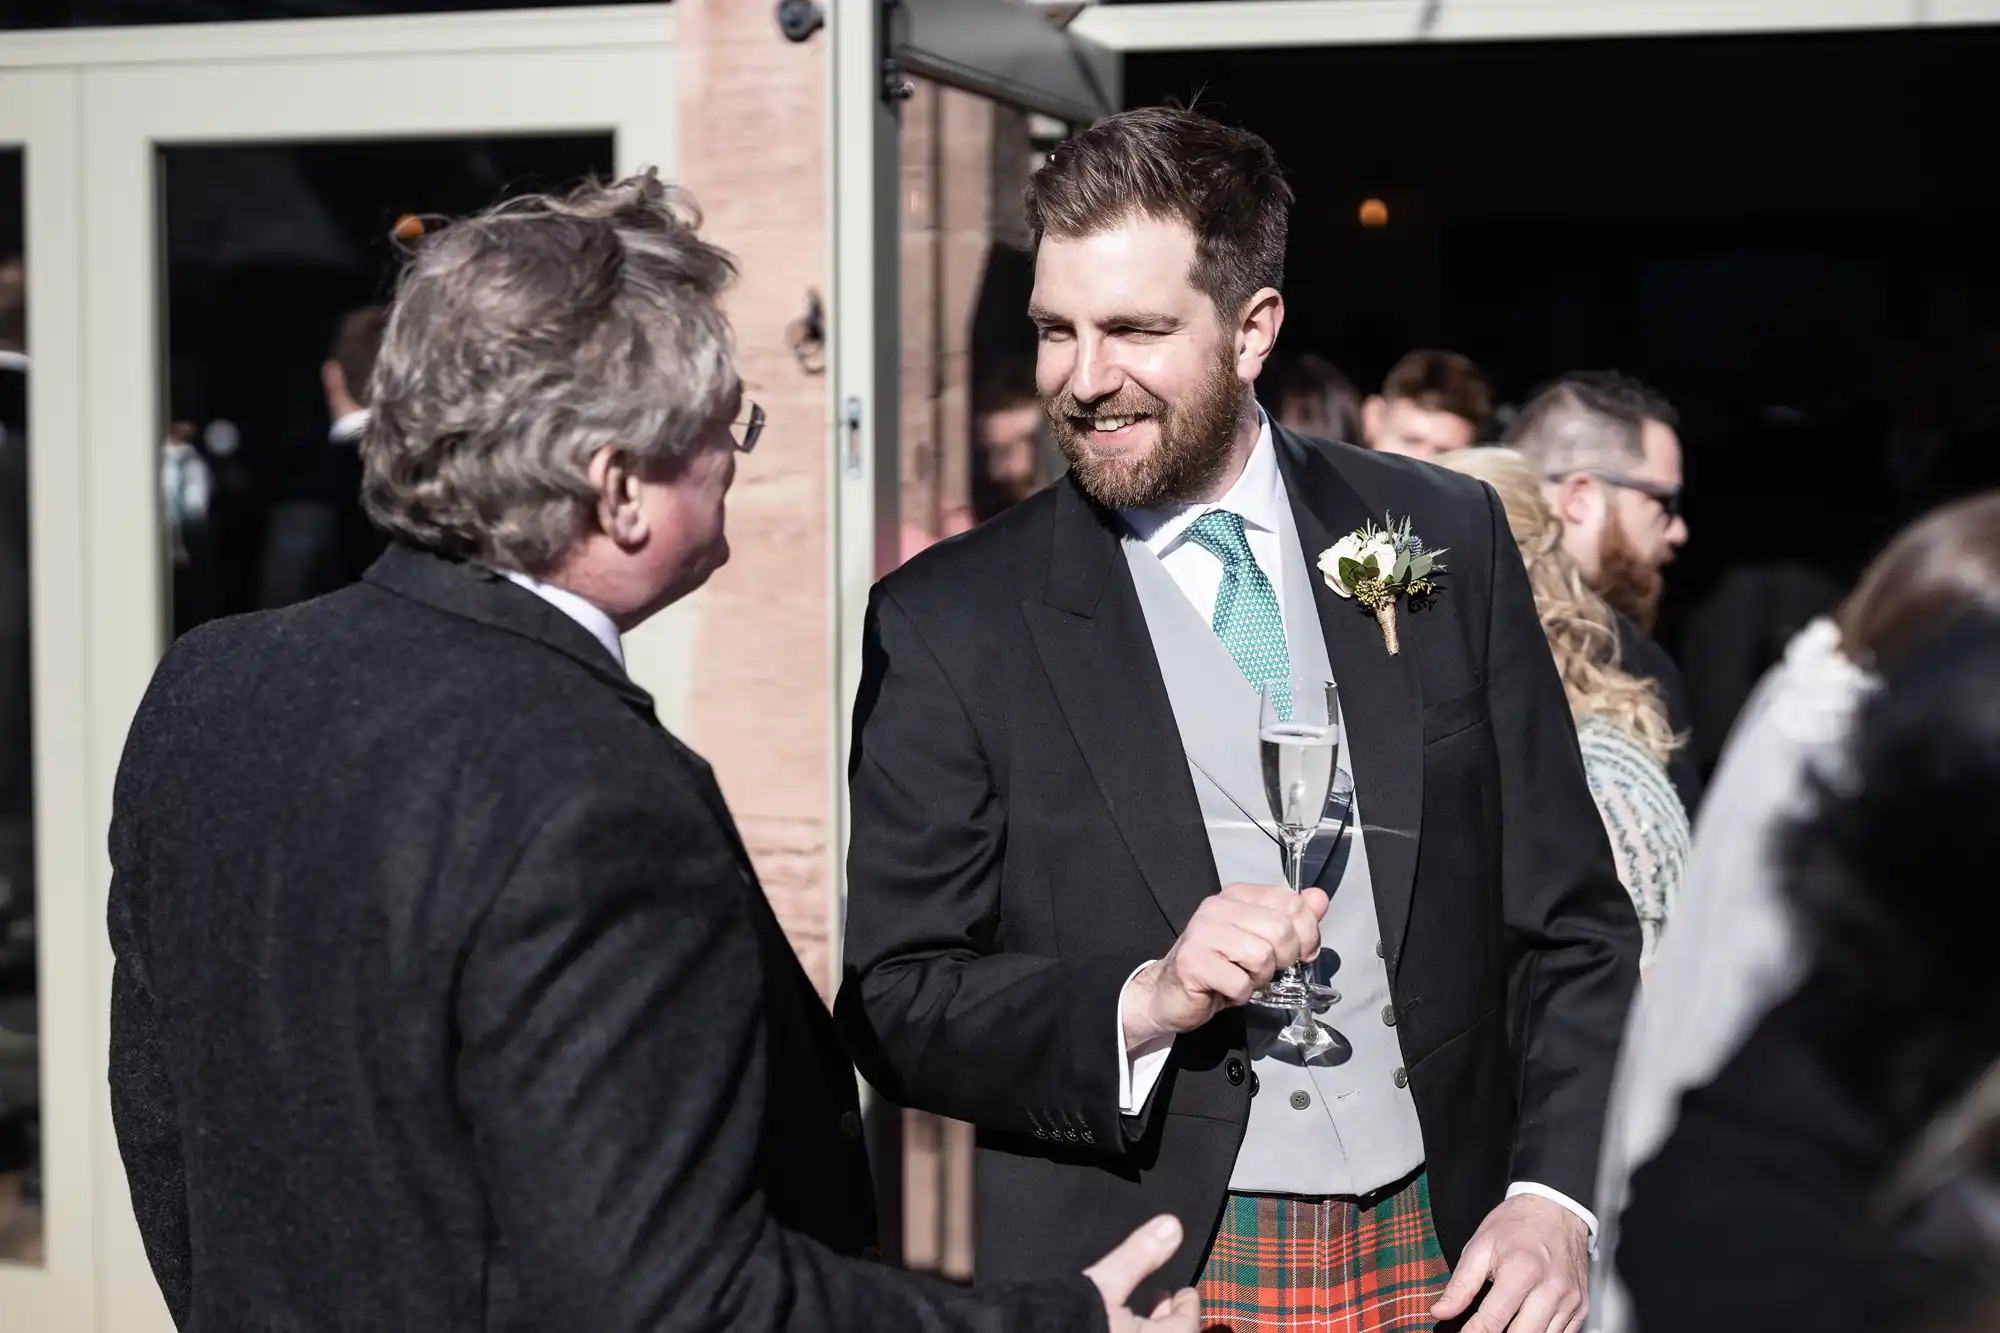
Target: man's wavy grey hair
524, 340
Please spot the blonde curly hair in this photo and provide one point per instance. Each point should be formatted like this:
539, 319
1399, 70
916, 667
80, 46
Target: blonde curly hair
1581, 630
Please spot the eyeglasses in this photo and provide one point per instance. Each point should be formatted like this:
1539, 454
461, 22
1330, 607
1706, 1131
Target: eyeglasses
745, 429
1668, 498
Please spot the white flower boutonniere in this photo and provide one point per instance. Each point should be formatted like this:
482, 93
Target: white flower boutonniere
1374, 566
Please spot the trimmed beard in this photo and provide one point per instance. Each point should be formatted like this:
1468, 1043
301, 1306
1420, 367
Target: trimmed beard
1191, 453
1625, 579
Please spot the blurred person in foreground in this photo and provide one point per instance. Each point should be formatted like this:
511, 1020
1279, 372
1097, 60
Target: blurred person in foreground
1734, 949
446, 996
1610, 459
1842, 1171
1620, 722
1061, 895
1309, 395
1432, 404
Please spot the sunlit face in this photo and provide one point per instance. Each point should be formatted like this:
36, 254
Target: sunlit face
1405, 426
1144, 385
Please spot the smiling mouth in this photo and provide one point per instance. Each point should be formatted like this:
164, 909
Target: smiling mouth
1109, 429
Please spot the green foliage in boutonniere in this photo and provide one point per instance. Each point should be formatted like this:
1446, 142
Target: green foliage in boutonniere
1375, 565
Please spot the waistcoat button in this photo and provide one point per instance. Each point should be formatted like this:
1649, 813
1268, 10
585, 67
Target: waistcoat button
1301, 1100
1402, 1078
1389, 1015
850, 1125
1254, 1084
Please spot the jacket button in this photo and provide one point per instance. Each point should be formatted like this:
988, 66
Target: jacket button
1089, 1137
1301, 1100
1389, 1015
850, 1125
1253, 1083
1234, 1071
1379, 951
871, 1251
1402, 1078
1040, 1133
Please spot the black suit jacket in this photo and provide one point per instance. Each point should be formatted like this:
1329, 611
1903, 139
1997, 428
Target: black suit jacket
1641, 655
446, 998
1026, 833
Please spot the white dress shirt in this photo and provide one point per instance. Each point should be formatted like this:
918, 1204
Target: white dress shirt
349, 428
585, 613
1260, 500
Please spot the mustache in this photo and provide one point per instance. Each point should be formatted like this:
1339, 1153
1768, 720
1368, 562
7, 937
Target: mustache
1124, 403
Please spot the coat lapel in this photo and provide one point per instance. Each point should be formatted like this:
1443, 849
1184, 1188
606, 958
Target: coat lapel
1091, 635
1381, 700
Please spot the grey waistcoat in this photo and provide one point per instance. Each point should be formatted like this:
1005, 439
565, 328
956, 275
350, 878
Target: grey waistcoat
1346, 1125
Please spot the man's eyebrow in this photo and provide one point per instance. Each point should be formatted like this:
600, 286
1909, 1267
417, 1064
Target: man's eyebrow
1152, 321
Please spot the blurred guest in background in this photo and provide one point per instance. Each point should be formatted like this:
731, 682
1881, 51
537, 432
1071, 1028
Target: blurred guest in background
345, 376
1842, 1171
1007, 440
1733, 950
1620, 721
1431, 403
1610, 460
1308, 394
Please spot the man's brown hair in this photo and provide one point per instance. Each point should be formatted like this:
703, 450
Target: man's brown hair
356, 346
1164, 162
1441, 382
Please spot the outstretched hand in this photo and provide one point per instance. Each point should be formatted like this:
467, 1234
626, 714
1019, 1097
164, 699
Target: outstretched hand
1119, 1273
1537, 1255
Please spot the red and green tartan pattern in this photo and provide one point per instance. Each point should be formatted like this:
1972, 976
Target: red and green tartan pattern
1285, 1265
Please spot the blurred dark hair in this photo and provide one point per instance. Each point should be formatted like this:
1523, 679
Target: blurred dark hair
1893, 871
1176, 165
356, 344
1441, 382
1939, 568
1309, 394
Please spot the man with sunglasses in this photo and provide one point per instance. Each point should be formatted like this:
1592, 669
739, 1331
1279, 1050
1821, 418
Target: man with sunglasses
1610, 458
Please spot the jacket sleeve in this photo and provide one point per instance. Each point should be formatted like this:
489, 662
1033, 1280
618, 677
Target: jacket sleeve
1572, 934
940, 1015
613, 1069
143, 1110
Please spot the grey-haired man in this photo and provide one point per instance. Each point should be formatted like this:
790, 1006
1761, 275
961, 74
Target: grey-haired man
446, 997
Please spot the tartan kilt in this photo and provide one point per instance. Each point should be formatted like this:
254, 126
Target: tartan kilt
1287, 1265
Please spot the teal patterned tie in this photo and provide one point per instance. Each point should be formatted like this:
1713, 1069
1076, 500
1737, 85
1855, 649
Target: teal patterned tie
1247, 619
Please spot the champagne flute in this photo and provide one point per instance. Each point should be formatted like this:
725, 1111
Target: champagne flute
1298, 735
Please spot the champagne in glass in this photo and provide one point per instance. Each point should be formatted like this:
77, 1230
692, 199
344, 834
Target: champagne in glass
1298, 735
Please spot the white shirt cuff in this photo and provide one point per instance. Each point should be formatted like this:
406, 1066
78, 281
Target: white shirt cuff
1558, 1197
1138, 1071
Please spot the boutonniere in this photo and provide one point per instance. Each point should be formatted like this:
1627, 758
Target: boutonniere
1375, 566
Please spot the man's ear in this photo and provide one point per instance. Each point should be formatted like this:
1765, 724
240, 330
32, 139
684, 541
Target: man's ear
334, 380
1262, 319
1574, 499
1372, 408
619, 513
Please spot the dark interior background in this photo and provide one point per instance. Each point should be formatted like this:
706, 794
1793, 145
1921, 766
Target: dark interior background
1791, 236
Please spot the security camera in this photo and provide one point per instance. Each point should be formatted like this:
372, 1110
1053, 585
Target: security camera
800, 19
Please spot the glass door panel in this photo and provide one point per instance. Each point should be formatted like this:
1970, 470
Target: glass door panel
279, 259
972, 442
21, 1236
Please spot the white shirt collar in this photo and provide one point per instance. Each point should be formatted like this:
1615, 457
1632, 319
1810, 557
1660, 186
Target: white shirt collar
584, 613
1258, 497
349, 427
